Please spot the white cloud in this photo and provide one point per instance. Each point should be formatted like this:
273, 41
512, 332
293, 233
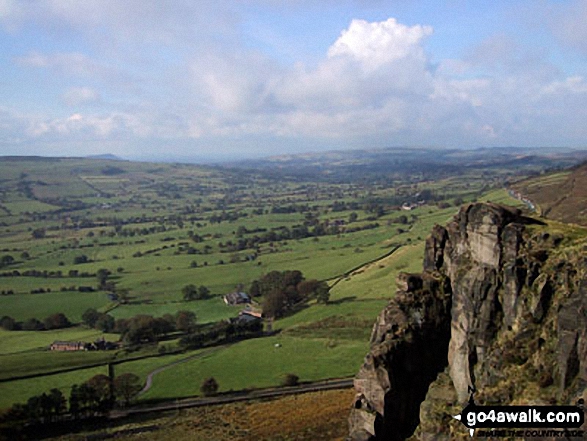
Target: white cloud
77, 96
378, 43
71, 63
79, 126
375, 82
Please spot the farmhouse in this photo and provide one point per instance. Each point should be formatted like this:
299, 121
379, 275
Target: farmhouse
249, 315
68, 346
236, 298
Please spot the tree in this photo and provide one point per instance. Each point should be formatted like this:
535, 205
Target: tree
6, 260
90, 317
203, 292
77, 260
126, 387
189, 292
290, 380
209, 387
56, 321
58, 402
102, 276
8, 323
74, 401
87, 398
185, 321
322, 292
192, 292
105, 323
38, 233
353, 217
33, 324
102, 395
307, 288
255, 289
123, 295
274, 303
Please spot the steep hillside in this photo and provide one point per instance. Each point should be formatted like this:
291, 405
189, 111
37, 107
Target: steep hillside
561, 196
501, 308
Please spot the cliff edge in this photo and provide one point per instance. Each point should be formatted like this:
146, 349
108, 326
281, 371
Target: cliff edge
500, 308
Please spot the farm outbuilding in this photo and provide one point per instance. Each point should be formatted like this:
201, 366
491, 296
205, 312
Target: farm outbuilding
68, 346
236, 298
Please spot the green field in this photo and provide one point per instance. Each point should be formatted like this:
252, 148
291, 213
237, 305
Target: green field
159, 227
259, 363
72, 304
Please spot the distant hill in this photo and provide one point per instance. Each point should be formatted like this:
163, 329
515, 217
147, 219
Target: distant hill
561, 196
402, 162
105, 156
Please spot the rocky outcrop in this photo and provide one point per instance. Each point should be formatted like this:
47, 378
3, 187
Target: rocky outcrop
409, 345
501, 307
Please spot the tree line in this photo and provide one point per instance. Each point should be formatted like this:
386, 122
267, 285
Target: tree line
53, 321
95, 397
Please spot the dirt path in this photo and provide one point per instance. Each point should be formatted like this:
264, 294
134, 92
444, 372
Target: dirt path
151, 374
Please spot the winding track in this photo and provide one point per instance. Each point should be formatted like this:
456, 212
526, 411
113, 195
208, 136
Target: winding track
149, 381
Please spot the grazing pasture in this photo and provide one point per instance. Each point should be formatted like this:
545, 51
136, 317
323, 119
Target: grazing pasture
124, 239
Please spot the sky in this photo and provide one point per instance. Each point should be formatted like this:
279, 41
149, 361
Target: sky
233, 79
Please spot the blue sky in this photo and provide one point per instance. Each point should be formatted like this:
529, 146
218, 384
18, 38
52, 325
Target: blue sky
247, 78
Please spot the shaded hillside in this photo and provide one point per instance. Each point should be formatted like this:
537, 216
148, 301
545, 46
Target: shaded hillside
561, 196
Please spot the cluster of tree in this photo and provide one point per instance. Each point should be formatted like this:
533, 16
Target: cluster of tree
344, 206
225, 216
292, 208
103, 283
46, 274
63, 289
141, 328
98, 320
78, 260
6, 260
311, 228
281, 291
54, 321
221, 333
242, 230
193, 292
94, 397
192, 250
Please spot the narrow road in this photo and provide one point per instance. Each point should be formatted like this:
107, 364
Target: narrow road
151, 374
342, 383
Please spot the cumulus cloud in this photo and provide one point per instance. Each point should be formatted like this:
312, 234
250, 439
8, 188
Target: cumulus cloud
376, 82
368, 80
379, 43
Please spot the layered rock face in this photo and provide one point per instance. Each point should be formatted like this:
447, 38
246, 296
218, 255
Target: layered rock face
501, 307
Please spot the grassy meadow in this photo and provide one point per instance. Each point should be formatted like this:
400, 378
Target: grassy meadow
159, 227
